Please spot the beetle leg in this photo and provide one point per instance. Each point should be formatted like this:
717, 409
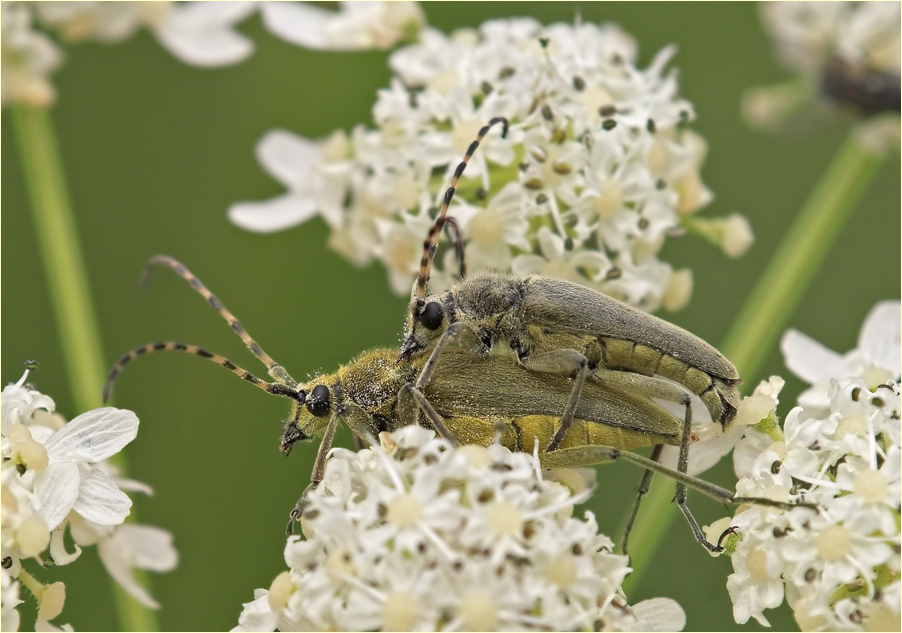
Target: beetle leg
563, 362
595, 454
644, 485
319, 469
411, 391
412, 394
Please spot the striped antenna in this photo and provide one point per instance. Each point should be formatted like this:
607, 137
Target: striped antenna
431, 243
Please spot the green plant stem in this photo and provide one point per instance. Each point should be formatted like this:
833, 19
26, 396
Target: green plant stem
70, 295
768, 309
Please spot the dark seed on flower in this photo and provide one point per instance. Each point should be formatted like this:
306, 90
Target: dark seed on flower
486, 87
501, 467
558, 136
568, 243
547, 114
544, 41
650, 126
609, 124
534, 183
31, 365
541, 198
507, 72
855, 393
877, 402
614, 273
481, 193
607, 110
775, 467
561, 168
661, 184
7, 562
579, 83
643, 223
485, 496
523, 166
810, 575
577, 549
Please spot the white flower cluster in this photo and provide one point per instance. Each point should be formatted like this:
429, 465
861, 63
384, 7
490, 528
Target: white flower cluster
839, 567
197, 33
597, 170
419, 536
54, 475
847, 54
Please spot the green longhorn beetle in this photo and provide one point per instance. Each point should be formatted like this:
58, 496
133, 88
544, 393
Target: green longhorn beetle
466, 399
554, 327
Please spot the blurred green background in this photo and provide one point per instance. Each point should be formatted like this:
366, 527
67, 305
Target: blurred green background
155, 151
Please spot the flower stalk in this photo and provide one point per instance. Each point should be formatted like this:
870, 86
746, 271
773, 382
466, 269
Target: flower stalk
70, 293
771, 303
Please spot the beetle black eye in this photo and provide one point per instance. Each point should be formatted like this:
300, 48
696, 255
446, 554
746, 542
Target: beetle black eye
431, 316
318, 401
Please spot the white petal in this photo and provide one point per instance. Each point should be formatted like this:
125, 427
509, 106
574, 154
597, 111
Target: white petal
808, 359
705, 454
659, 614
131, 485
276, 214
527, 264
58, 548
298, 23
880, 334
94, 435
100, 500
205, 14
257, 615
57, 488
288, 157
121, 572
200, 33
145, 547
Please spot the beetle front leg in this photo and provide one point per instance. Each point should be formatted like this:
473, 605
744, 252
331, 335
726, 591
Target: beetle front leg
319, 469
360, 424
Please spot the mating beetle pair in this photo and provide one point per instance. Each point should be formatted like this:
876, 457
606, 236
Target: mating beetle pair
578, 382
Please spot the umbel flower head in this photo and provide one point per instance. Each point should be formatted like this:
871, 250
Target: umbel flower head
838, 568
55, 475
598, 168
846, 55
417, 535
